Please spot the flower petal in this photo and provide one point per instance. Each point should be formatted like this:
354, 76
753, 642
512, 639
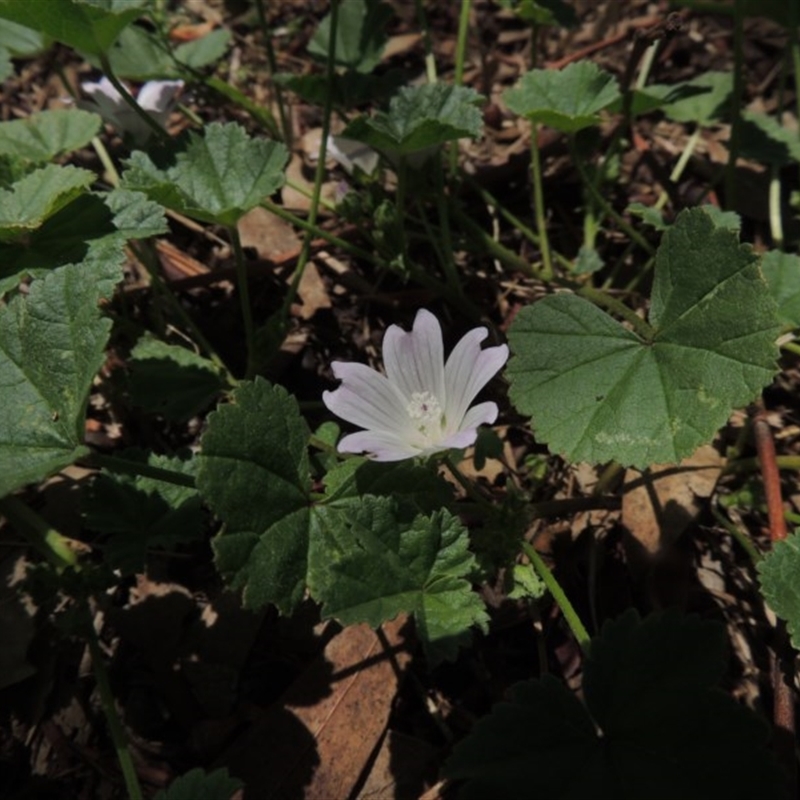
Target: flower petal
107, 99
481, 414
157, 97
414, 361
467, 371
459, 439
367, 399
381, 446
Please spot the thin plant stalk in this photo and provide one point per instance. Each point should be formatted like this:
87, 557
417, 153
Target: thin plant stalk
430, 61
286, 123
128, 98
736, 103
608, 209
244, 300
449, 263
554, 587
742, 538
538, 204
774, 206
319, 174
460, 59
54, 546
118, 736
680, 166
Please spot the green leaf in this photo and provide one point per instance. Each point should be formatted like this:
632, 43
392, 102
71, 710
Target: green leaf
51, 347
543, 12
140, 55
350, 89
369, 564
420, 118
139, 515
91, 230
199, 785
89, 25
48, 134
653, 725
708, 106
568, 100
360, 35
598, 392
782, 273
779, 574
170, 380
764, 139
19, 41
217, 177
38, 196
421, 486
254, 476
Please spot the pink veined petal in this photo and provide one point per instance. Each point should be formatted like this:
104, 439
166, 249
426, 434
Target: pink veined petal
467, 371
459, 439
157, 96
367, 399
380, 445
415, 361
481, 414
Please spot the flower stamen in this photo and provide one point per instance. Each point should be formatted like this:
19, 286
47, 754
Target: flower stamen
425, 410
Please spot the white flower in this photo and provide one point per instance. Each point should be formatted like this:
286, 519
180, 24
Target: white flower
155, 97
351, 154
421, 405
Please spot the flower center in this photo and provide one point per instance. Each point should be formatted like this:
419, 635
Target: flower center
426, 412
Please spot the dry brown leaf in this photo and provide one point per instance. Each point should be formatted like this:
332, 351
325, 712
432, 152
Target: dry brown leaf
399, 768
318, 750
271, 237
665, 500
297, 196
313, 293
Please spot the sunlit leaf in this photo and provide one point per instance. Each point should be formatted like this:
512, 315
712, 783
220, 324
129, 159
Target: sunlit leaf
89, 25
782, 273
48, 134
707, 106
763, 138
39, 195
568, 100
779, 574
368, 563
360, 35
598, 392
420, 118
217, 177
52, 344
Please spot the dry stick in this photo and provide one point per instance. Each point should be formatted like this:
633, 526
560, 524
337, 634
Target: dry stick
783, 710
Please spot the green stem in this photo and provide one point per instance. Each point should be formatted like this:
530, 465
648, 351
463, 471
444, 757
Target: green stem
319, 174
244, 300
791, 347
567, 609
752, 465
538, 204
458, 78
775, 222
680, 166
608, 209
430, 61
105, 160
286, 124
449, 264
260, 114
115, 728
125, 466
128, 98
739, 536
54, 546
736, 104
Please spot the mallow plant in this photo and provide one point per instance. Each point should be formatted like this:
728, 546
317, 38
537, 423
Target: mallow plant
381, 517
